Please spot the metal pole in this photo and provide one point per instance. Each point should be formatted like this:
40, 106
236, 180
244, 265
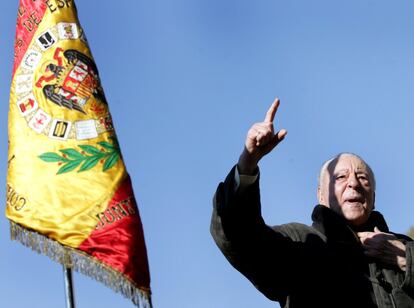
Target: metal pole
70, 302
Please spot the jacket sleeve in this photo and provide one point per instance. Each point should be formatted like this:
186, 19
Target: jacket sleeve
408, 284
268, 258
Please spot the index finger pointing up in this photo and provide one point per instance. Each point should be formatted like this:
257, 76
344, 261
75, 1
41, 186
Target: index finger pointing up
270, 115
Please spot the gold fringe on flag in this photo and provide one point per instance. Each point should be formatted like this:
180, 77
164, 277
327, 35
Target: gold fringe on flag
81, 262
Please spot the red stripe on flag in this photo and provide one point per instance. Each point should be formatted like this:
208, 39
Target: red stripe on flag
29, 16
119, 239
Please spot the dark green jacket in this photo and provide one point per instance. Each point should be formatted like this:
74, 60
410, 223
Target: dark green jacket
322, 265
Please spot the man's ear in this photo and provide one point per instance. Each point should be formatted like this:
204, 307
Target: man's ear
320, 196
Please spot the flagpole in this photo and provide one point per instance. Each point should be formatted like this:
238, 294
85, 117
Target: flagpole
70, 302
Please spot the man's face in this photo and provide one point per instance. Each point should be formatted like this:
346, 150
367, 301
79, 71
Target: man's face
347, 189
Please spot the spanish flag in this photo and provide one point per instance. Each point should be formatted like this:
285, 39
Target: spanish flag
69, 195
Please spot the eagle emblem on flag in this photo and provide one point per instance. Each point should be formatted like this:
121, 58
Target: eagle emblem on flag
75, 78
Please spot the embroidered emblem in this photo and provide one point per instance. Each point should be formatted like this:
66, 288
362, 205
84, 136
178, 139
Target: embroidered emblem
107, 123
27, 104
68, 31
39, 121
24, 83
31, 59
52, 77
75, 82
107, 154
60, 129
86, 130
46, 40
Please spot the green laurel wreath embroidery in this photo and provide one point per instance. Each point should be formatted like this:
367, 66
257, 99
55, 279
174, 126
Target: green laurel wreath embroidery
89, 157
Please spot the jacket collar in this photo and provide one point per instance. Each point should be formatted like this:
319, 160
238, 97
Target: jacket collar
335, 227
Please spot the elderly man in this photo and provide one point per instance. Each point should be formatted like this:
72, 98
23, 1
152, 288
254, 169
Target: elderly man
347, 258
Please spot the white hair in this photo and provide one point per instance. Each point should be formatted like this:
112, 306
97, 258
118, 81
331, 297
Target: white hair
325, 165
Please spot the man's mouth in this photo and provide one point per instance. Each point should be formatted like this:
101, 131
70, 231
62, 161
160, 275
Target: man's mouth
355, 200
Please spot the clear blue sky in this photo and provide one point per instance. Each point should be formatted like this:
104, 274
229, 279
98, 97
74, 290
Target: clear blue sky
184, 80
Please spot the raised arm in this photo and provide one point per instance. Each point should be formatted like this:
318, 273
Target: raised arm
265, 256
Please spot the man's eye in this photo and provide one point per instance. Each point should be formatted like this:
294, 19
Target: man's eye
339, 177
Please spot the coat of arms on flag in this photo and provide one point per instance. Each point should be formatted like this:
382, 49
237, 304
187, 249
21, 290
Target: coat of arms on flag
69, 195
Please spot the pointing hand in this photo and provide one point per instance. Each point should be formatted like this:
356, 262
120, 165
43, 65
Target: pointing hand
260, 140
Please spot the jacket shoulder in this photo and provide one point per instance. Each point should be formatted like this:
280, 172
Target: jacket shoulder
299, 232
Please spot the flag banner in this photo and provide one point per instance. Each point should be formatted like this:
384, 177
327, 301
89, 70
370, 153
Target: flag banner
69, 195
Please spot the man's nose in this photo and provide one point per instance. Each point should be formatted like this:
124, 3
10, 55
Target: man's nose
353, 181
